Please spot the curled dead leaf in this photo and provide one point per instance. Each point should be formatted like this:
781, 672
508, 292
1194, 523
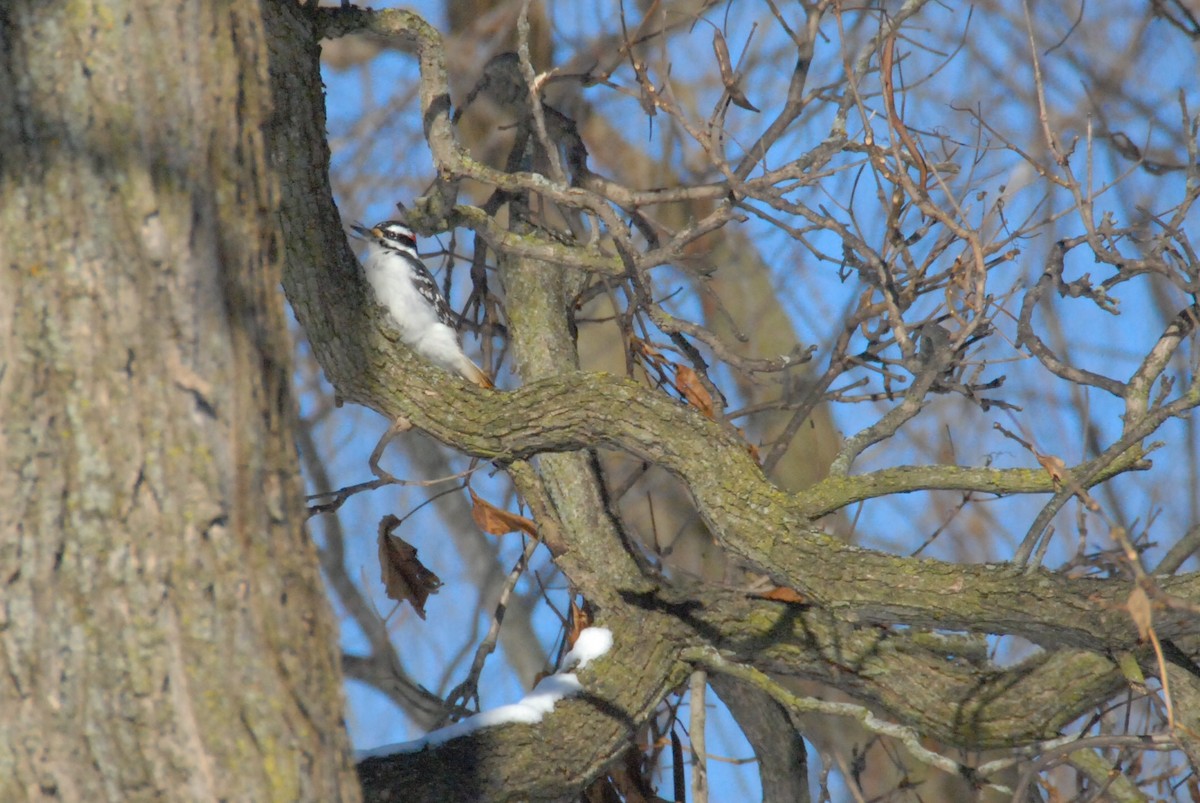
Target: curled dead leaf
1054, 466
783, 594
498, 521
580, 619
1139, 609
648, 352
729, 78
687, 382
404, 577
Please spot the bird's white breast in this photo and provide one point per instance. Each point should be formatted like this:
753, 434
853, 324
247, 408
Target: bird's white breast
391, 277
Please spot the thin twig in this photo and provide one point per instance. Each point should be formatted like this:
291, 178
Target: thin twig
697, 684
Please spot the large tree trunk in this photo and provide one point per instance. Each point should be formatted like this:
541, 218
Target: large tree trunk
163, 629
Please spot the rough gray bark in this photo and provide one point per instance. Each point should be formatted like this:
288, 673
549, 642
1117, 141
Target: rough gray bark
163, 627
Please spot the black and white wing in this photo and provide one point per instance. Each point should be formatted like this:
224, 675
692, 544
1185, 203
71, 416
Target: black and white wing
426, 285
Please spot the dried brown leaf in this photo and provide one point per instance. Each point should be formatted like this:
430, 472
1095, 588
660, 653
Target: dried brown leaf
404, 577
687, 382
783, 594
729, 78
1138, 605
1055, 467
498, 521
580, 619
648, 352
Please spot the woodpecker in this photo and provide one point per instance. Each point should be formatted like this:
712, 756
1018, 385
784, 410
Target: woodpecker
404, 286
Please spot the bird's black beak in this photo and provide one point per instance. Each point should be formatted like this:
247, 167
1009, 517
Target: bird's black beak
364, 232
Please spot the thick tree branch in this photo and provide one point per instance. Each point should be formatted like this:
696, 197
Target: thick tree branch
548, 761
747, 513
